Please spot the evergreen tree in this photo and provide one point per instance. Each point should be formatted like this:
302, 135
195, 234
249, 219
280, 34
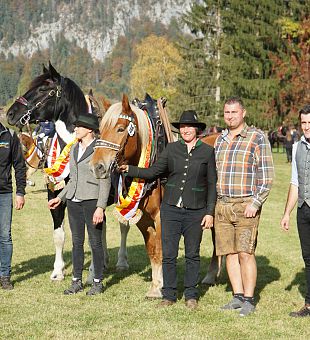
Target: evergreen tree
229, 51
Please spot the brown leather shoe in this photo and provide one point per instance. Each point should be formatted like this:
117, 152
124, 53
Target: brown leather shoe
191, 304
165, 303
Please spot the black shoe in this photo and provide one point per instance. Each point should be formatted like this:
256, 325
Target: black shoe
6, 283
304, 311
96, 288
76, 286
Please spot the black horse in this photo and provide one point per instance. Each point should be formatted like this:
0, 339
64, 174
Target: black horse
52, 97
277, 138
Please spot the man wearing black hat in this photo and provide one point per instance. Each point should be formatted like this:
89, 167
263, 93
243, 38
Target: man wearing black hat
188, 204
86, 198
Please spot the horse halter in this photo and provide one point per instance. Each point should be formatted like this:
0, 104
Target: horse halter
119, 148
131, 129
24, 119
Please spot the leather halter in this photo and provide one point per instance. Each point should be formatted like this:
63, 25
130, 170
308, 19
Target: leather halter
24, 120
102, 143
119, 148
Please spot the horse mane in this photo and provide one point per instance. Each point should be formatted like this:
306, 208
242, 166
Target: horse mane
70, 90
111, 117
75, 96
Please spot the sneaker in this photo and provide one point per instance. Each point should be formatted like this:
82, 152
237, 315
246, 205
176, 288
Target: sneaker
96, 288
76, 286
304, 311
6, 283
234, 304
247, 308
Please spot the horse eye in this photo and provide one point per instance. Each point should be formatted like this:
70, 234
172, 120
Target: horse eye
120, 129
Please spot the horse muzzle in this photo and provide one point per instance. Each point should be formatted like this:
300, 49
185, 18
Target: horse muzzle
100, 170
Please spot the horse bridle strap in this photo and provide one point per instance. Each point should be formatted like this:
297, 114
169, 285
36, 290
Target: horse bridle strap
22, 100
101, 143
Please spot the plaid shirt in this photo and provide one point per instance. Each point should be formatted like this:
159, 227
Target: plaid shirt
244, 165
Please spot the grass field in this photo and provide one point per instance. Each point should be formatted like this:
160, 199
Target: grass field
37, 308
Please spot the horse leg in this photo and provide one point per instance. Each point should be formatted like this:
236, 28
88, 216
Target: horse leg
90, 276
122, 263
29, 173
58, 215
215, 266
152, 239
59, 264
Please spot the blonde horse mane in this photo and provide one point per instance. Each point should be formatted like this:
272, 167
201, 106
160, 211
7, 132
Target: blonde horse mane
111, 117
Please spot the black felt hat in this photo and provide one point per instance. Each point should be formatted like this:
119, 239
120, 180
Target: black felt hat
88, 121
189, 117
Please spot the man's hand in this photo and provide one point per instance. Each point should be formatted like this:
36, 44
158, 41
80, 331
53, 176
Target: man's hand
19, 202
250, 211
98, 216
285, 222
207, 222
54, 203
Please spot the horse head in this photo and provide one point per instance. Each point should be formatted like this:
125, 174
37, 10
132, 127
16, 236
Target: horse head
26, 142
123, 132
49, 97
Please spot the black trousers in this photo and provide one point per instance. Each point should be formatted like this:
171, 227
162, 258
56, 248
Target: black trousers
176, 222
79, 214
303, 224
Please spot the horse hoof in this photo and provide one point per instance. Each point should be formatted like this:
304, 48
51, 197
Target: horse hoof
121, 268
153, 294
57, 276
209, 280
30, 183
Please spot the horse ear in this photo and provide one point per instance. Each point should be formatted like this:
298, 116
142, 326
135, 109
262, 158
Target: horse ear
106, 103
45, 70
125, 104
54, 74
90, 92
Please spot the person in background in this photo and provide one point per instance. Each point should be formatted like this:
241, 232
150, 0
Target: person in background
245, 173
86, 198
299, 191
10, 156
288, 143
188, 204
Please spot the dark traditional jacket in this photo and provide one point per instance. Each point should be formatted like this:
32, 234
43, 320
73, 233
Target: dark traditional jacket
191, 176
11, 154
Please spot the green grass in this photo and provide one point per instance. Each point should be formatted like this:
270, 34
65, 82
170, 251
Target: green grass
37, 308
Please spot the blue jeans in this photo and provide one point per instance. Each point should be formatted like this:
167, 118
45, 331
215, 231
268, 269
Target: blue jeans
6, 245
176, 222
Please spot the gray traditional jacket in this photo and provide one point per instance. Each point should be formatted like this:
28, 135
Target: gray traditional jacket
83, 185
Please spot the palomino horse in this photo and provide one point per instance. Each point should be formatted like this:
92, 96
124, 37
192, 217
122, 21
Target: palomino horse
31, 155
52, 97
126, 136
216, 263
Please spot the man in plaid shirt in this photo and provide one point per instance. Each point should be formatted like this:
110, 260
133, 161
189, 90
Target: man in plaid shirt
245, 172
